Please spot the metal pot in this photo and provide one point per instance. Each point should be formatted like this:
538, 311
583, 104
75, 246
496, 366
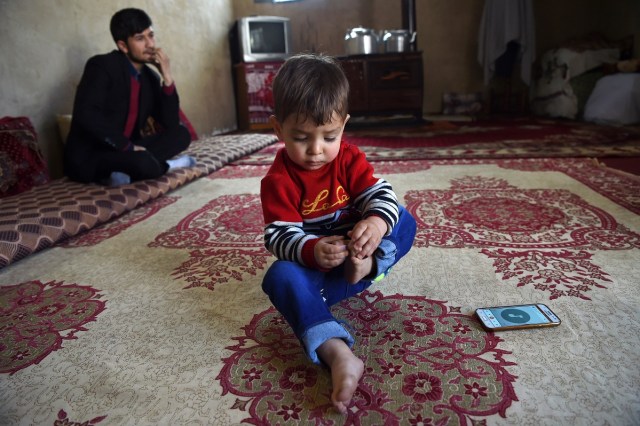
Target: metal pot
361, 41
397, 40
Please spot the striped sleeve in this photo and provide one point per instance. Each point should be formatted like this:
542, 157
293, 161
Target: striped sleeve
286, 241
379, 200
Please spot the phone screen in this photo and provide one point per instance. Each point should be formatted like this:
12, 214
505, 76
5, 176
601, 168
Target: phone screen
519, 316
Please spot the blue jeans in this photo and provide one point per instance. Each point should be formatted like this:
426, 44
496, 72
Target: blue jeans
303, 295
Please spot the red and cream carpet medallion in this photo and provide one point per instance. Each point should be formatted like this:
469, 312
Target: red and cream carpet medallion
224, 239
426, 364
539, 237
36, 318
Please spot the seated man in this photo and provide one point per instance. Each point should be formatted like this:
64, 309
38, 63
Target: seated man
126, 124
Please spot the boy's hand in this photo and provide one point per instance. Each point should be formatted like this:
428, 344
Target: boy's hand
331, 251
366, 236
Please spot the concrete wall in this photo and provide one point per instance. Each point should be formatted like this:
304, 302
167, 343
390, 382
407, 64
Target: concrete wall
320, 25
45, 43
448, 37
561, 20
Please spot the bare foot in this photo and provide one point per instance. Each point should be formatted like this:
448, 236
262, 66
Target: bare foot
356, 269
346, 371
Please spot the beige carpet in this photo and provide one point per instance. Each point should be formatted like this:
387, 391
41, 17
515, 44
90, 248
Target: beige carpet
158, 316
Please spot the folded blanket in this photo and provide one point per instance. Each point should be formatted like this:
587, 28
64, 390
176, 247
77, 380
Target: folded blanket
48, 214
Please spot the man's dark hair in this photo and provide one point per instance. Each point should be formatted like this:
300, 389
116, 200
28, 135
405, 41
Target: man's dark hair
312, 87
128, 22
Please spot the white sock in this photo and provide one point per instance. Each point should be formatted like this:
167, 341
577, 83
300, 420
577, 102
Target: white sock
183, 161
118, 178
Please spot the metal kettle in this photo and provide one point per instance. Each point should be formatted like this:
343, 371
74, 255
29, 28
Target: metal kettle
361, 41
398, 40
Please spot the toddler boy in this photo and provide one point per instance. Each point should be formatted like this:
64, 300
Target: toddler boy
334, 227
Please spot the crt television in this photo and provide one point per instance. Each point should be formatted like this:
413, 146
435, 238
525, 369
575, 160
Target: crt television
260, 38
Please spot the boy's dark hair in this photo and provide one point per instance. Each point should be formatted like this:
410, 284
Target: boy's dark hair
310, 87
127, 22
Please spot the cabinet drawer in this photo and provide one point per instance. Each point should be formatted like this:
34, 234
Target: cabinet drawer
395, 74
383, 84
386, 100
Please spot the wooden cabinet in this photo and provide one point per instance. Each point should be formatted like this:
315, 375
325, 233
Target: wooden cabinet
254, 98
385, 84
380, 84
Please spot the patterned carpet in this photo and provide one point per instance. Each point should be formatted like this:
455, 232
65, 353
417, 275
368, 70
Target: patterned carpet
500, 138
157, 317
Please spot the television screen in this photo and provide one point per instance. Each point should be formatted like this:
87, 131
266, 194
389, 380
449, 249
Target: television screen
267, 37
260, 39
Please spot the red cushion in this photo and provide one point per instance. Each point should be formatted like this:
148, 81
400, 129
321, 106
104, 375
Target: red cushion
22, 165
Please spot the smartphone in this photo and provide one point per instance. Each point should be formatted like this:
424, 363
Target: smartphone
514, 317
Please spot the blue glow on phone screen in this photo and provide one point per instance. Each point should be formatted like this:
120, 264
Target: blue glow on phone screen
519, 316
